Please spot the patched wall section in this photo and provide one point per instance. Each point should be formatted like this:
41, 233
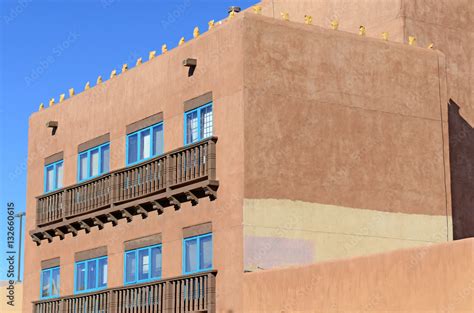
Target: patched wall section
285, 232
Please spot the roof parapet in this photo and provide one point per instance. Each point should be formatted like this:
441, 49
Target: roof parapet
257, 9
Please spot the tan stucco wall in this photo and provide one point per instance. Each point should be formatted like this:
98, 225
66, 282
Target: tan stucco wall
449, 24
284, 232
376, 15
351, 122
161, 84
431, 279
18, 298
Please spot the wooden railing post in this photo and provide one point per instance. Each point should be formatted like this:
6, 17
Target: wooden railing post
113, 188
64, 204
169, 295
211, 158
211, 293
112, 302
61, 305
168, 171
38, 214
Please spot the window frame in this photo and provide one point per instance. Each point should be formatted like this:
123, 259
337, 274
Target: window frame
88, 152
198, 254
200, 127
55, 172
138, 133
136, 251
50, 271
86, 290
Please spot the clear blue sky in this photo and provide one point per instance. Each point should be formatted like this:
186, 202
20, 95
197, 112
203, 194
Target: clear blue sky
47, 47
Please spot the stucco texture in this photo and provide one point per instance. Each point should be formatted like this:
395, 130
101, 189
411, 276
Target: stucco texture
438, 278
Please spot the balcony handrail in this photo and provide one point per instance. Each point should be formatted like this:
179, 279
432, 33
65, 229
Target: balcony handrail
148, 283
211, 273
50, 193
126, 168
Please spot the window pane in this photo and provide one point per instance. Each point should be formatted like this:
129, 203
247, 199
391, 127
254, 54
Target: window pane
130, 267
191, 127
190, 254
102, 280
206, 122
145, 142
157, 140
205, 252
49, 178
143, 264
83, 166
155, 262
81, 276
105, 159
94, 162
91, 274
132, 149
55, 282
59, 175
45, 282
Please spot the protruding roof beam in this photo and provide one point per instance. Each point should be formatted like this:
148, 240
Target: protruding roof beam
127, 215
174, 202
141, 210
98, 223
84, 226
192, 197
112, 219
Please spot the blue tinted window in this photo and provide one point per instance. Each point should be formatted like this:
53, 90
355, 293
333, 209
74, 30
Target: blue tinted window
93, 162
91, 275
81, 277
142, 264
155, 261
130, 267
132, 153
50, 283
53, 176
197, 253
105, 159
198, 124
102, 273
145, 144
158, 140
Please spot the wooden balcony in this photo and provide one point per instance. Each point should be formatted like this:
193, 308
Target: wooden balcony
182, 175
191, 293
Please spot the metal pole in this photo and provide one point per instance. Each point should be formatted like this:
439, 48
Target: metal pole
20, 215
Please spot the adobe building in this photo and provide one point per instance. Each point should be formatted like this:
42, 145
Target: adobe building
262, 160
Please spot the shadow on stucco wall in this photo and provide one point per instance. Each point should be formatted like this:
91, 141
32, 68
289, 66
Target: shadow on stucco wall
461, 150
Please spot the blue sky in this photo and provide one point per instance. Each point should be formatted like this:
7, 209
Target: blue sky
47, 47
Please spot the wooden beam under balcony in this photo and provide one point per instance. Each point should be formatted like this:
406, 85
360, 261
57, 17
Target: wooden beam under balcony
182, 175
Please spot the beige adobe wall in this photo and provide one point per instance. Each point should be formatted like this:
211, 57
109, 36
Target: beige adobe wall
161, 84
438, 278
449, 24
18, 297
345, 145
376, 15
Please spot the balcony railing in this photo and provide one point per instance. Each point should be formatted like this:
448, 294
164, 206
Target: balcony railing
191, 293
185, 174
